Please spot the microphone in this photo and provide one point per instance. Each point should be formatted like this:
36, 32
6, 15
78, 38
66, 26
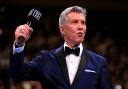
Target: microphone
33, 18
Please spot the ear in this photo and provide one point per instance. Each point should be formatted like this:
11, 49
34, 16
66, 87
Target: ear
62, 30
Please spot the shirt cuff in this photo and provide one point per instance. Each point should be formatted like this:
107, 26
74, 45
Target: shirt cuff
18, 49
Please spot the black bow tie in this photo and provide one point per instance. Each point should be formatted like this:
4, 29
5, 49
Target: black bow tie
72, 51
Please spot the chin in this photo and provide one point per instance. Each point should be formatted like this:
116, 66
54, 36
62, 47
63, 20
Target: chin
79, 41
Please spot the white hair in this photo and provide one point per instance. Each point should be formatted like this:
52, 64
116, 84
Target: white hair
63, 15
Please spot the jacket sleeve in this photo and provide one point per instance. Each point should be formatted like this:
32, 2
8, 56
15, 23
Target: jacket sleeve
18, 70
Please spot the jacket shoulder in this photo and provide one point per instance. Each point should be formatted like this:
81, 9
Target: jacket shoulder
96, 57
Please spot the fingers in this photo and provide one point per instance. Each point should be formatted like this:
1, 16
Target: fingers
23, 31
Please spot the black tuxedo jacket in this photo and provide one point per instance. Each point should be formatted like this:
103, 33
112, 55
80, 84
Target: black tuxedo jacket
51, 70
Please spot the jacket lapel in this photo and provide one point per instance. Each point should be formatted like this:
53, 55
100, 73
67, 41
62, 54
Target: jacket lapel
60, 55
84, 58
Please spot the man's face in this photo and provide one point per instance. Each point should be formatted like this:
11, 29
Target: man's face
74, 29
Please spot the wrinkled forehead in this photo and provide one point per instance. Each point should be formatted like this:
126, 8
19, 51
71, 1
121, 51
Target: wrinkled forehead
75, 15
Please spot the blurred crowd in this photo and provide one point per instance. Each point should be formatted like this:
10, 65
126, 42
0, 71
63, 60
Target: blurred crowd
98, 39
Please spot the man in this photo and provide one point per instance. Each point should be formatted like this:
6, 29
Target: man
71, 66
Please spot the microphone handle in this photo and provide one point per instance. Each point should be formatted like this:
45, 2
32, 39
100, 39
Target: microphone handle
21, 41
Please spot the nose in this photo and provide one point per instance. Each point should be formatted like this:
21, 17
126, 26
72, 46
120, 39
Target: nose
80, 26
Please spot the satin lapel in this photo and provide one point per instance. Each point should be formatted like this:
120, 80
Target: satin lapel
62, 61
84, 58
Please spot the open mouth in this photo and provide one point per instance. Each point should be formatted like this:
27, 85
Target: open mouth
80, 34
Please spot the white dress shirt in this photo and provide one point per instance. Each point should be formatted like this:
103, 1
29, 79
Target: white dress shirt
73, 63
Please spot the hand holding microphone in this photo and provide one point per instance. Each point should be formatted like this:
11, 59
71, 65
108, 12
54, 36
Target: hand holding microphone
23, 32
